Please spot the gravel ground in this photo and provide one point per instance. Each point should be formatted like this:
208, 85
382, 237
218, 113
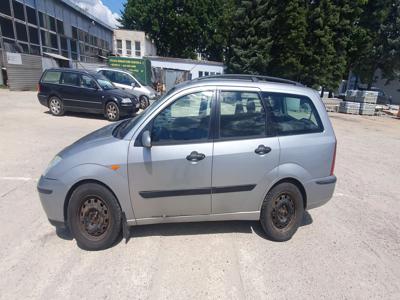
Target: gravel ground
349, 248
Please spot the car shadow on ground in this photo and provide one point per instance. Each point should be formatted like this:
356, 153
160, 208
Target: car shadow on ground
84, 115
198, 228
195, 228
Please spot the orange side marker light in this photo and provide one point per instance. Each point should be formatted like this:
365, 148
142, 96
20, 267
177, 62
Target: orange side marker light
115, 167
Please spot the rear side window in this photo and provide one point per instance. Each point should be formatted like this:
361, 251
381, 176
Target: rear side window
292, 114
241, 115
52, 77
70, 79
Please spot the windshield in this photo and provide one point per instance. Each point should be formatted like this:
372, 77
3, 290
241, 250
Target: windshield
104, 82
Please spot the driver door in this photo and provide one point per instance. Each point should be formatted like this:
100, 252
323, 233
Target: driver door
173, 176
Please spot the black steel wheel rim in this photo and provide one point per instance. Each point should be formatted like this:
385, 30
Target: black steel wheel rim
283, 211
94, 217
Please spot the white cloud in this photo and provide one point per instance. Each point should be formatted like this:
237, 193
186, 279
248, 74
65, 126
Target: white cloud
97, 9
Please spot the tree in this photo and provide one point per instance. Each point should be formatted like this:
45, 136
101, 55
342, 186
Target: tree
376, 42
181, 28
288, 32
250, 42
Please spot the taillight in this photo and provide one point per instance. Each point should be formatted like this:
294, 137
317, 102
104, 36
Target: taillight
333, 160
38, 87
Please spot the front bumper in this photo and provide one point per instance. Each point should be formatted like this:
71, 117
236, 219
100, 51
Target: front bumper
52, 194
320, 191
129, 109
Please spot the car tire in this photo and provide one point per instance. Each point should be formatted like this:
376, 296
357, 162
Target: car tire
94, 217
56, 106
112, 111
282, 212
143, 102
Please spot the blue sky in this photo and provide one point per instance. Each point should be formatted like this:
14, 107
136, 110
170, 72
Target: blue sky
114, 5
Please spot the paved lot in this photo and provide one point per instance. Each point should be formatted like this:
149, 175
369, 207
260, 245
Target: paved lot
349, 248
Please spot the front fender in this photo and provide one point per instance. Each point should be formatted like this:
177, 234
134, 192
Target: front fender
117, 181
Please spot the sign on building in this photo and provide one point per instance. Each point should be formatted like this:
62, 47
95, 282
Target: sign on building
140, 68
14, 58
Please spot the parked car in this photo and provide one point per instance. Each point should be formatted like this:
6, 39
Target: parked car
218, 148
126, 81
64, 90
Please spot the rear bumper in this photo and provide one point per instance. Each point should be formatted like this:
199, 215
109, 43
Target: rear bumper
42, 99
52, 194
320, 191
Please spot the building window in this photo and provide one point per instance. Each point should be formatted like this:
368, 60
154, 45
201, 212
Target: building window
31, 14
5, 8
33, 35
200, 73
64, 45
7, 28
42, 19
206, 73
35, 50
137, 48
128, 47
74, 33
21, 32
52, 23
18, 10
119, 46
60, 27
73, 47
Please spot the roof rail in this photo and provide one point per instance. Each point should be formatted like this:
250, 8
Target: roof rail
253, 78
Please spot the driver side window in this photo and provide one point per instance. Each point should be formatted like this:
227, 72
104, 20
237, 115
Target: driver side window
187, 119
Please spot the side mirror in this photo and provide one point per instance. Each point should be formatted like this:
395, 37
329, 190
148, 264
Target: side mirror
133, 85
146, 139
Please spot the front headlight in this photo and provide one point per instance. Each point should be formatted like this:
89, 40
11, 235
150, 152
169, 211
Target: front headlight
52, 164
126, 101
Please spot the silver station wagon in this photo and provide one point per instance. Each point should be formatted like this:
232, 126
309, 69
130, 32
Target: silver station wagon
229, 147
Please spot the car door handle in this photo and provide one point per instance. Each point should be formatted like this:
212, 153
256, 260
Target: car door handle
195, 156
261, 150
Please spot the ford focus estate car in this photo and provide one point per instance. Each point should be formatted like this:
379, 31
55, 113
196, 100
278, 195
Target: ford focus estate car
82, 91
217, 148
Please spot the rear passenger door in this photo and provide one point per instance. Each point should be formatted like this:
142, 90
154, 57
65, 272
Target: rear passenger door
70, 88
245, 156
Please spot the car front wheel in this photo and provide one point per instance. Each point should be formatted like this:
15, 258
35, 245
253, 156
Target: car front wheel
94, 217
143, 102
112, 111
282, 212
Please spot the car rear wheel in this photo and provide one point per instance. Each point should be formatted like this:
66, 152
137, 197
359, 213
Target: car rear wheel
143, 102
282, 212
56, 106
112, 111
94, 217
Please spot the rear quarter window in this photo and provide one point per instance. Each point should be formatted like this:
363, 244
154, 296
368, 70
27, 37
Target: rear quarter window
51, 77
292, 114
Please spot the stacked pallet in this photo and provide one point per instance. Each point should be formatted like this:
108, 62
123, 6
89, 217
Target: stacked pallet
348, 107
351, 95
331, 104
367, 109
366, 97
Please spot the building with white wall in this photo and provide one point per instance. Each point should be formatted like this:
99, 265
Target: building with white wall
197, 68
132, 43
